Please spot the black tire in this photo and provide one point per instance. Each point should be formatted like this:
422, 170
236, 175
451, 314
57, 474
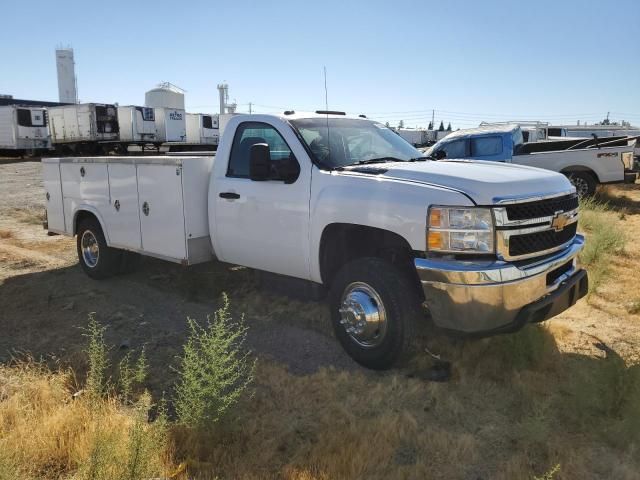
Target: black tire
584, 182
400, 303
129, 261
107, 259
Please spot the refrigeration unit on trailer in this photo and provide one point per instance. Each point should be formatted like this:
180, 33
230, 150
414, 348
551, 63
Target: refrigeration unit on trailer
137, 124
170, 125
202, 129
84, 123
23, 130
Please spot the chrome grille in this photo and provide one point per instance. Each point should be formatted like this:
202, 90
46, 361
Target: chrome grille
542, 208
535, 228
540, 241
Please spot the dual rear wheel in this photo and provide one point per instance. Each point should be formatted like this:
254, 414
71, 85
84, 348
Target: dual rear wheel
97, 259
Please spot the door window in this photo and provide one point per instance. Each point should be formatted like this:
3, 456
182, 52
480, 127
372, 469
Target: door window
456, 149
247, 135
486, 146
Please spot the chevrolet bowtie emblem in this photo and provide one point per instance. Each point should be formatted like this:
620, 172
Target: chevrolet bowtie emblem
560, 220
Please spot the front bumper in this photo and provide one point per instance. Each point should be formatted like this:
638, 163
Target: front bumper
484, 297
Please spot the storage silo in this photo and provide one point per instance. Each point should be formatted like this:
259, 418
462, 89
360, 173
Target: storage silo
67, 87
165, 95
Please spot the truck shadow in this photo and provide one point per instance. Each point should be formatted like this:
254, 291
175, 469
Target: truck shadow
42, 314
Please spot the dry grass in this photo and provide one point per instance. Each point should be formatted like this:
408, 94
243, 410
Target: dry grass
605, 239
46, 433
515, 405
4, 234
32, 216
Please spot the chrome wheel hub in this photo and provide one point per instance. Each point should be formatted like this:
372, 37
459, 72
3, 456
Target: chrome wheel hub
581, 186
90, 248
362, 315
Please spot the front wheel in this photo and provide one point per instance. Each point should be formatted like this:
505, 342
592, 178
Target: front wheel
585, 183
373, 310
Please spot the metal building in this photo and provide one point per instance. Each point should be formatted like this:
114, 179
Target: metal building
67, 87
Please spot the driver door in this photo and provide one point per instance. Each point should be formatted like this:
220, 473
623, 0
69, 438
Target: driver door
263, 224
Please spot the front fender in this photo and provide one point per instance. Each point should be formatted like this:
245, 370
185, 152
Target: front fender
387, 204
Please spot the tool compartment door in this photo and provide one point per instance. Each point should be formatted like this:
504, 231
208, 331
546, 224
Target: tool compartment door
53, 193
84, 183
122, 216
160, 202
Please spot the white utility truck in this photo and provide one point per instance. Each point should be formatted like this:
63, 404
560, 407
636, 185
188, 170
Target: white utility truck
344, 205
23, 130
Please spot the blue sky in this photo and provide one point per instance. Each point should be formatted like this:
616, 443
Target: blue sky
559, 61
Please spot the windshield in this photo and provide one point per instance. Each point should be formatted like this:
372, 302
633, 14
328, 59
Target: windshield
349, 141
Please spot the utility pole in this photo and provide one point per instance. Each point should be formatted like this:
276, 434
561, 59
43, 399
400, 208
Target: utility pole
433, 118
249, 108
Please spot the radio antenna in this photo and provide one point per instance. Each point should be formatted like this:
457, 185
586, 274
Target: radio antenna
326, 108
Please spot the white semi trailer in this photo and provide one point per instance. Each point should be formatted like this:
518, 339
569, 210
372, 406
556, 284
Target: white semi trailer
202, 129
84, 128
170, 125
418, 137
137, 124
23, 130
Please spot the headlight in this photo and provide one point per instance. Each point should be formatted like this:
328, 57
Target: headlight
460, 230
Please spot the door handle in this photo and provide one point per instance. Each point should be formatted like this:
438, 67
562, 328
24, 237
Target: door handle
230, 195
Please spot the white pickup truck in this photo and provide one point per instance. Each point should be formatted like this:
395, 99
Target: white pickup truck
586, 162
347, 206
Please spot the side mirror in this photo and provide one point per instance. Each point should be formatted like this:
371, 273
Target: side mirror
259, 162
288, 169
439, 154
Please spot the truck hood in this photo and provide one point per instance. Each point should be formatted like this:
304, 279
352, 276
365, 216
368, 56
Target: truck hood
486, 183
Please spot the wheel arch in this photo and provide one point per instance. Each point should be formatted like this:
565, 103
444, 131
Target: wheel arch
87, 211
341, 243
580, 168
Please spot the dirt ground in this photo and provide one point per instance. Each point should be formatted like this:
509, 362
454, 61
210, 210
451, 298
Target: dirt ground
45, 299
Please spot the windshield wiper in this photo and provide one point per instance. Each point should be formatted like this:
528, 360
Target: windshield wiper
378, 160
420, 159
